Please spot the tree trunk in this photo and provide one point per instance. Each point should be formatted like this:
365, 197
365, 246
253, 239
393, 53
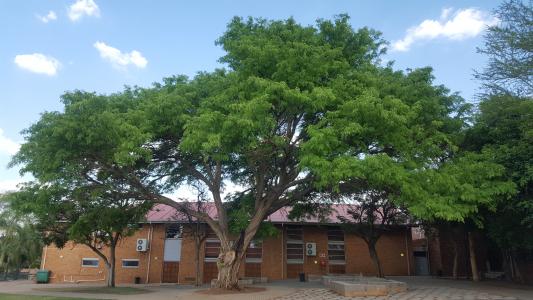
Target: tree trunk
111, 267
507, 264
6, 271
17, 272
198, 279
228, 265
375, 258
455, 269
232, 255
516, 275
473, 257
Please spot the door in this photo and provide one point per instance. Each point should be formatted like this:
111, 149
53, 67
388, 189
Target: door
171, 270
421, 263
171, 260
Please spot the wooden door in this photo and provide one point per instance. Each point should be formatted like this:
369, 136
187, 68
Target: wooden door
171, 271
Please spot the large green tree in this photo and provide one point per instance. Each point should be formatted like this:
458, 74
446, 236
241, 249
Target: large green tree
503, 131
245, 125
299, 108
503, 127
400, 135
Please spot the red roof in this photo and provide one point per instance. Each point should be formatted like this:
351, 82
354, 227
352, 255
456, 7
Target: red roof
162, 213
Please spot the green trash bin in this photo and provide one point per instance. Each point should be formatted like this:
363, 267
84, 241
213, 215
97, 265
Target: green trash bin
42, 276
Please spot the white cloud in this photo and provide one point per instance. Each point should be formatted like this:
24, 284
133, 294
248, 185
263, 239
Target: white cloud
51, 16
9, 185
458, 25
119, 59
81, 8
7, 146
38, 63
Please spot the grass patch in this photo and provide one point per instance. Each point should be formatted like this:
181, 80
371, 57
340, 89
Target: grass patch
28, 297
123, 290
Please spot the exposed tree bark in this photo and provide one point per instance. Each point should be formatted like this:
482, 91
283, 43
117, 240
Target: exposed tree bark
112, 264
473, 256
228, 270
229, 260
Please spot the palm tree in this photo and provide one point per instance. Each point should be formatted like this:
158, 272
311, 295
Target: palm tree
20, 243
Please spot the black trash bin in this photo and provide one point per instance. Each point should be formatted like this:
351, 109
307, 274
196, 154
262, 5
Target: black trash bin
137, 280
302, 277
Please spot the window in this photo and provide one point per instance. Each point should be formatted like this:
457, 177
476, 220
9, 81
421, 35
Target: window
254, 252
130, 263
212, 246
89, 262
212, 250
294, 233
295, 245
336, 253
173, 231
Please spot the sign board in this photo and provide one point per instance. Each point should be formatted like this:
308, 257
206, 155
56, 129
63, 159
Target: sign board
310, 249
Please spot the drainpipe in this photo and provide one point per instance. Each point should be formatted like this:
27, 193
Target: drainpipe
282, 252
44, 257
407, 254
150, 233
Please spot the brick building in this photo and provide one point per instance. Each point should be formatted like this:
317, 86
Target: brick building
170, 255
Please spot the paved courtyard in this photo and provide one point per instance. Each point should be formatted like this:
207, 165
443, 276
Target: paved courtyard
439, 293
420, 288
428, 288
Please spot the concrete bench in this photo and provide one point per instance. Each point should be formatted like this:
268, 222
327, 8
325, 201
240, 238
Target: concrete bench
242, 282
358, 286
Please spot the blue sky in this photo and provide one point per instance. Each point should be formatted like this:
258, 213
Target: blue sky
49, 47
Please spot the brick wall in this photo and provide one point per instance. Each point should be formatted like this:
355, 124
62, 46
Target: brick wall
390, 248
187, 263
65, 263
273, 257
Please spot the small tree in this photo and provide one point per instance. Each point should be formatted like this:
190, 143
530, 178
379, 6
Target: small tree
20, 244
98, 220
195, 228
371, 217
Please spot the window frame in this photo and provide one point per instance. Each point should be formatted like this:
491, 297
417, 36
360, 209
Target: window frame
211, 259
255, 245
179, 231
291, 231
83, 259
332, 241
130, 260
